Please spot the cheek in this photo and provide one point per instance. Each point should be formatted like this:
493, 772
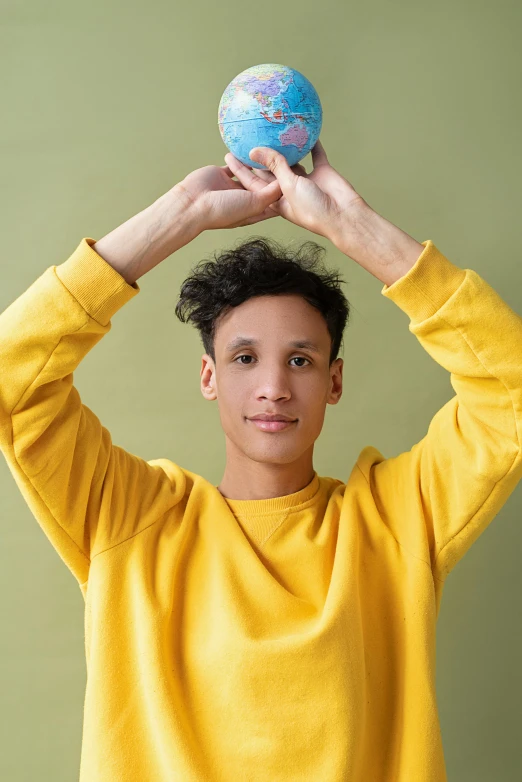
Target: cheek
314, 393
233, 396
237, 384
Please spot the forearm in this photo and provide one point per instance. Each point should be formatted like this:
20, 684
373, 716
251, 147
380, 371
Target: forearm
142, 242
377, 245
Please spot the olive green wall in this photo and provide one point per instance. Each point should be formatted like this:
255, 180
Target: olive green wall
105, 106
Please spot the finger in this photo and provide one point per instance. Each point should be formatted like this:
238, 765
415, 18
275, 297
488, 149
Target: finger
231, 158
269, 194
227, 171
269, 177
267, 191
277, 164
233, 182
266, 176
260, 173
244, 174
319, 157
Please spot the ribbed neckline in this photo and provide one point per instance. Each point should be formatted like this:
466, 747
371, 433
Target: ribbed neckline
287, 502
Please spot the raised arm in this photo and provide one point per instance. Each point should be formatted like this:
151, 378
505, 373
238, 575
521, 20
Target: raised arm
437, 498
86, 493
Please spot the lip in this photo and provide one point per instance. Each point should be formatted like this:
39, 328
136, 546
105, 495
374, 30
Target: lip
270, 426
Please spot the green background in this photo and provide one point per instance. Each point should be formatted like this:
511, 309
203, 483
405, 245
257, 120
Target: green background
105, 106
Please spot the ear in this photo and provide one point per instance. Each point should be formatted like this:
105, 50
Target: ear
208, 378
336, 380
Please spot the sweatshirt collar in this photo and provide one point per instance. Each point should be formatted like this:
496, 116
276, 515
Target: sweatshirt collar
288, 502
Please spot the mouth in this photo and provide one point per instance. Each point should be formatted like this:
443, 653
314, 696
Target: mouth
271, 426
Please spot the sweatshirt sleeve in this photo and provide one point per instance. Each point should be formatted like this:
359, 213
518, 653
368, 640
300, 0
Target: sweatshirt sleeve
87, 494
439, 497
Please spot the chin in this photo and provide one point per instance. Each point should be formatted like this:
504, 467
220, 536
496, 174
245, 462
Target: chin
273, 454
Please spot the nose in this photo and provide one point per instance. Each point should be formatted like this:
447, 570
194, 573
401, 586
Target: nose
274, 385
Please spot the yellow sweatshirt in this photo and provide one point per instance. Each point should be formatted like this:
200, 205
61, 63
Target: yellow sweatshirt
280, 640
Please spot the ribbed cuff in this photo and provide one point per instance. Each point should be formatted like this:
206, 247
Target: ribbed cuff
427, 285
99, 288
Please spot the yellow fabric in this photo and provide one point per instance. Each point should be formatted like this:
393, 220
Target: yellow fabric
285, 639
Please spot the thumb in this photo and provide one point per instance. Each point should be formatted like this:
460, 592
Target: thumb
276, 163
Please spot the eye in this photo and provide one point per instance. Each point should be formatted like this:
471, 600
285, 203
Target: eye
300, 358
245, 355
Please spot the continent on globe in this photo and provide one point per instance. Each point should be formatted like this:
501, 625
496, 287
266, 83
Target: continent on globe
270, 105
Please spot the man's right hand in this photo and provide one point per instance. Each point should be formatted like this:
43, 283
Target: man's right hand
207, 198
217, 201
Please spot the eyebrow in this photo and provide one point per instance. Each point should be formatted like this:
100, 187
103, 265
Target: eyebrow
243, 342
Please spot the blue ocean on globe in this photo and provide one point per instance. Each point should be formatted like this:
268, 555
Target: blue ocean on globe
270, 105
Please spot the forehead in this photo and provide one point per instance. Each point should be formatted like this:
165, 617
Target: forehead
285, 318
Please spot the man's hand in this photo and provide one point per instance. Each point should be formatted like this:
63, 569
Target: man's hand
217, 201
325, 203
321, 201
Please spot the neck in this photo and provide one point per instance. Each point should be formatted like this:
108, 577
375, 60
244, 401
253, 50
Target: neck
246, 479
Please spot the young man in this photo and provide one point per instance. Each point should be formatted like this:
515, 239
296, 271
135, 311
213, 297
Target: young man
280, 626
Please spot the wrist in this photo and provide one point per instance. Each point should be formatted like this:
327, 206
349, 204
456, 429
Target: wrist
351, 226
170, 223
179, 215
376, 244
150, 236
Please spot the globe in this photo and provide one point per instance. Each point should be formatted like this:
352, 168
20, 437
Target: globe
270, 105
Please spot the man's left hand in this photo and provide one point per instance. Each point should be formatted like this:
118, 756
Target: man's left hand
323, 201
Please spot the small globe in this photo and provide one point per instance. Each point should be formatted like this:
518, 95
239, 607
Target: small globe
270, 105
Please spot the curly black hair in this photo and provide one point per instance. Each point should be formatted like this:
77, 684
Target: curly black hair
261, 267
